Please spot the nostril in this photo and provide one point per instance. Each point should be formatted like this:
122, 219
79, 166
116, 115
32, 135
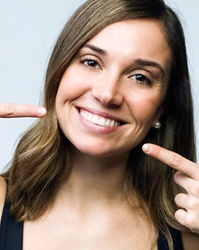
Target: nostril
109, 99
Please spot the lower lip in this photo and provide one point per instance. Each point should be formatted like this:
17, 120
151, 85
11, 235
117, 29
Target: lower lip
96, 128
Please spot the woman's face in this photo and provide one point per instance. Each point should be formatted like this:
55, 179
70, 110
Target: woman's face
111, 94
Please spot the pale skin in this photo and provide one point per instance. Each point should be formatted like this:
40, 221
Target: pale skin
11, 110
90, 211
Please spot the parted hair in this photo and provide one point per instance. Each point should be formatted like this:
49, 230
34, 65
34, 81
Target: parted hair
41, 161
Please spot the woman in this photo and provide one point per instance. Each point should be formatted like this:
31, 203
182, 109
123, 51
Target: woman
79, 179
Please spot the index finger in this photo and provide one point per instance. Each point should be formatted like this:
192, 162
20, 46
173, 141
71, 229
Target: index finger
11, 110
173, 160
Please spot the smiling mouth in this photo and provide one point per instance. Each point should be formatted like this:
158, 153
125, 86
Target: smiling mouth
98, 120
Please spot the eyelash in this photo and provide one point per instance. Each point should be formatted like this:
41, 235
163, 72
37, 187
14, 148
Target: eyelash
144, 81
86, 62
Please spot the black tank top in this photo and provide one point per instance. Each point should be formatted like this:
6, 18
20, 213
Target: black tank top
11, 234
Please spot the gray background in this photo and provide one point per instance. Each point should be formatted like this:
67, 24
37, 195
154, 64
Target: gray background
28, 30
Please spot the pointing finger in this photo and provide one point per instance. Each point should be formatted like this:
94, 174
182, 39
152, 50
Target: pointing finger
19, 110
173, 160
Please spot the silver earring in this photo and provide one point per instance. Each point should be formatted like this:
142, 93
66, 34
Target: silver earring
157, 125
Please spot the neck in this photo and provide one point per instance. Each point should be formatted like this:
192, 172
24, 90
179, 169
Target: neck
95, 179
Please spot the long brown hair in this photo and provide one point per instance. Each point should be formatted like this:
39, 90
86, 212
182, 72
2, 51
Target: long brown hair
41, 161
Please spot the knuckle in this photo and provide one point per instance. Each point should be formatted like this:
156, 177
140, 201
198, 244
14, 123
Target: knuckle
9, 110
190, 222
192, 204
194, 189
176, 160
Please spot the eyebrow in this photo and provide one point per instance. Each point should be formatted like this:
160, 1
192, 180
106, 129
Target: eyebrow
149, 63
96, 49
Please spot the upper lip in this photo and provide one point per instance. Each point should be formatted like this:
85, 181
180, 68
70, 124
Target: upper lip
103, 114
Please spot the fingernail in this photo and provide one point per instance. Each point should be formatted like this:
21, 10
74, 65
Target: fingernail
41, 111
146, 148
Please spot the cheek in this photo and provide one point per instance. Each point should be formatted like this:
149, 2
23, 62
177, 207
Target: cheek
71, 86
144, 108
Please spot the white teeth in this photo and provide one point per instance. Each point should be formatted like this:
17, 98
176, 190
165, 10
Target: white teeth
98, 120
93, 119
102, 121
112, 124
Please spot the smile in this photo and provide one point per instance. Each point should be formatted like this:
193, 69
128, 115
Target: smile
98, 120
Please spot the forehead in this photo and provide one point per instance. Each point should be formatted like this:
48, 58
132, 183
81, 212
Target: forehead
141, 38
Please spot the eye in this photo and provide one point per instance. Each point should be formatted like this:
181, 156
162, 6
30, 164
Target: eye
140, 78
90, 63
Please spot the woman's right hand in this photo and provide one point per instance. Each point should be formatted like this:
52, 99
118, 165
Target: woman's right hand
11, 110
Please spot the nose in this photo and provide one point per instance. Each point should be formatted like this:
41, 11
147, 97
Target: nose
108, 91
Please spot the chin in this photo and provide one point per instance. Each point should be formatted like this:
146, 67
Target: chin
98, 151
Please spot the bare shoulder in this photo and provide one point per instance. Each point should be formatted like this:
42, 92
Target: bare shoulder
190, 241
2, 193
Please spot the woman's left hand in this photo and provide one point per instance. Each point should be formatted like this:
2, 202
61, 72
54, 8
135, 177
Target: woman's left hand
187, 176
